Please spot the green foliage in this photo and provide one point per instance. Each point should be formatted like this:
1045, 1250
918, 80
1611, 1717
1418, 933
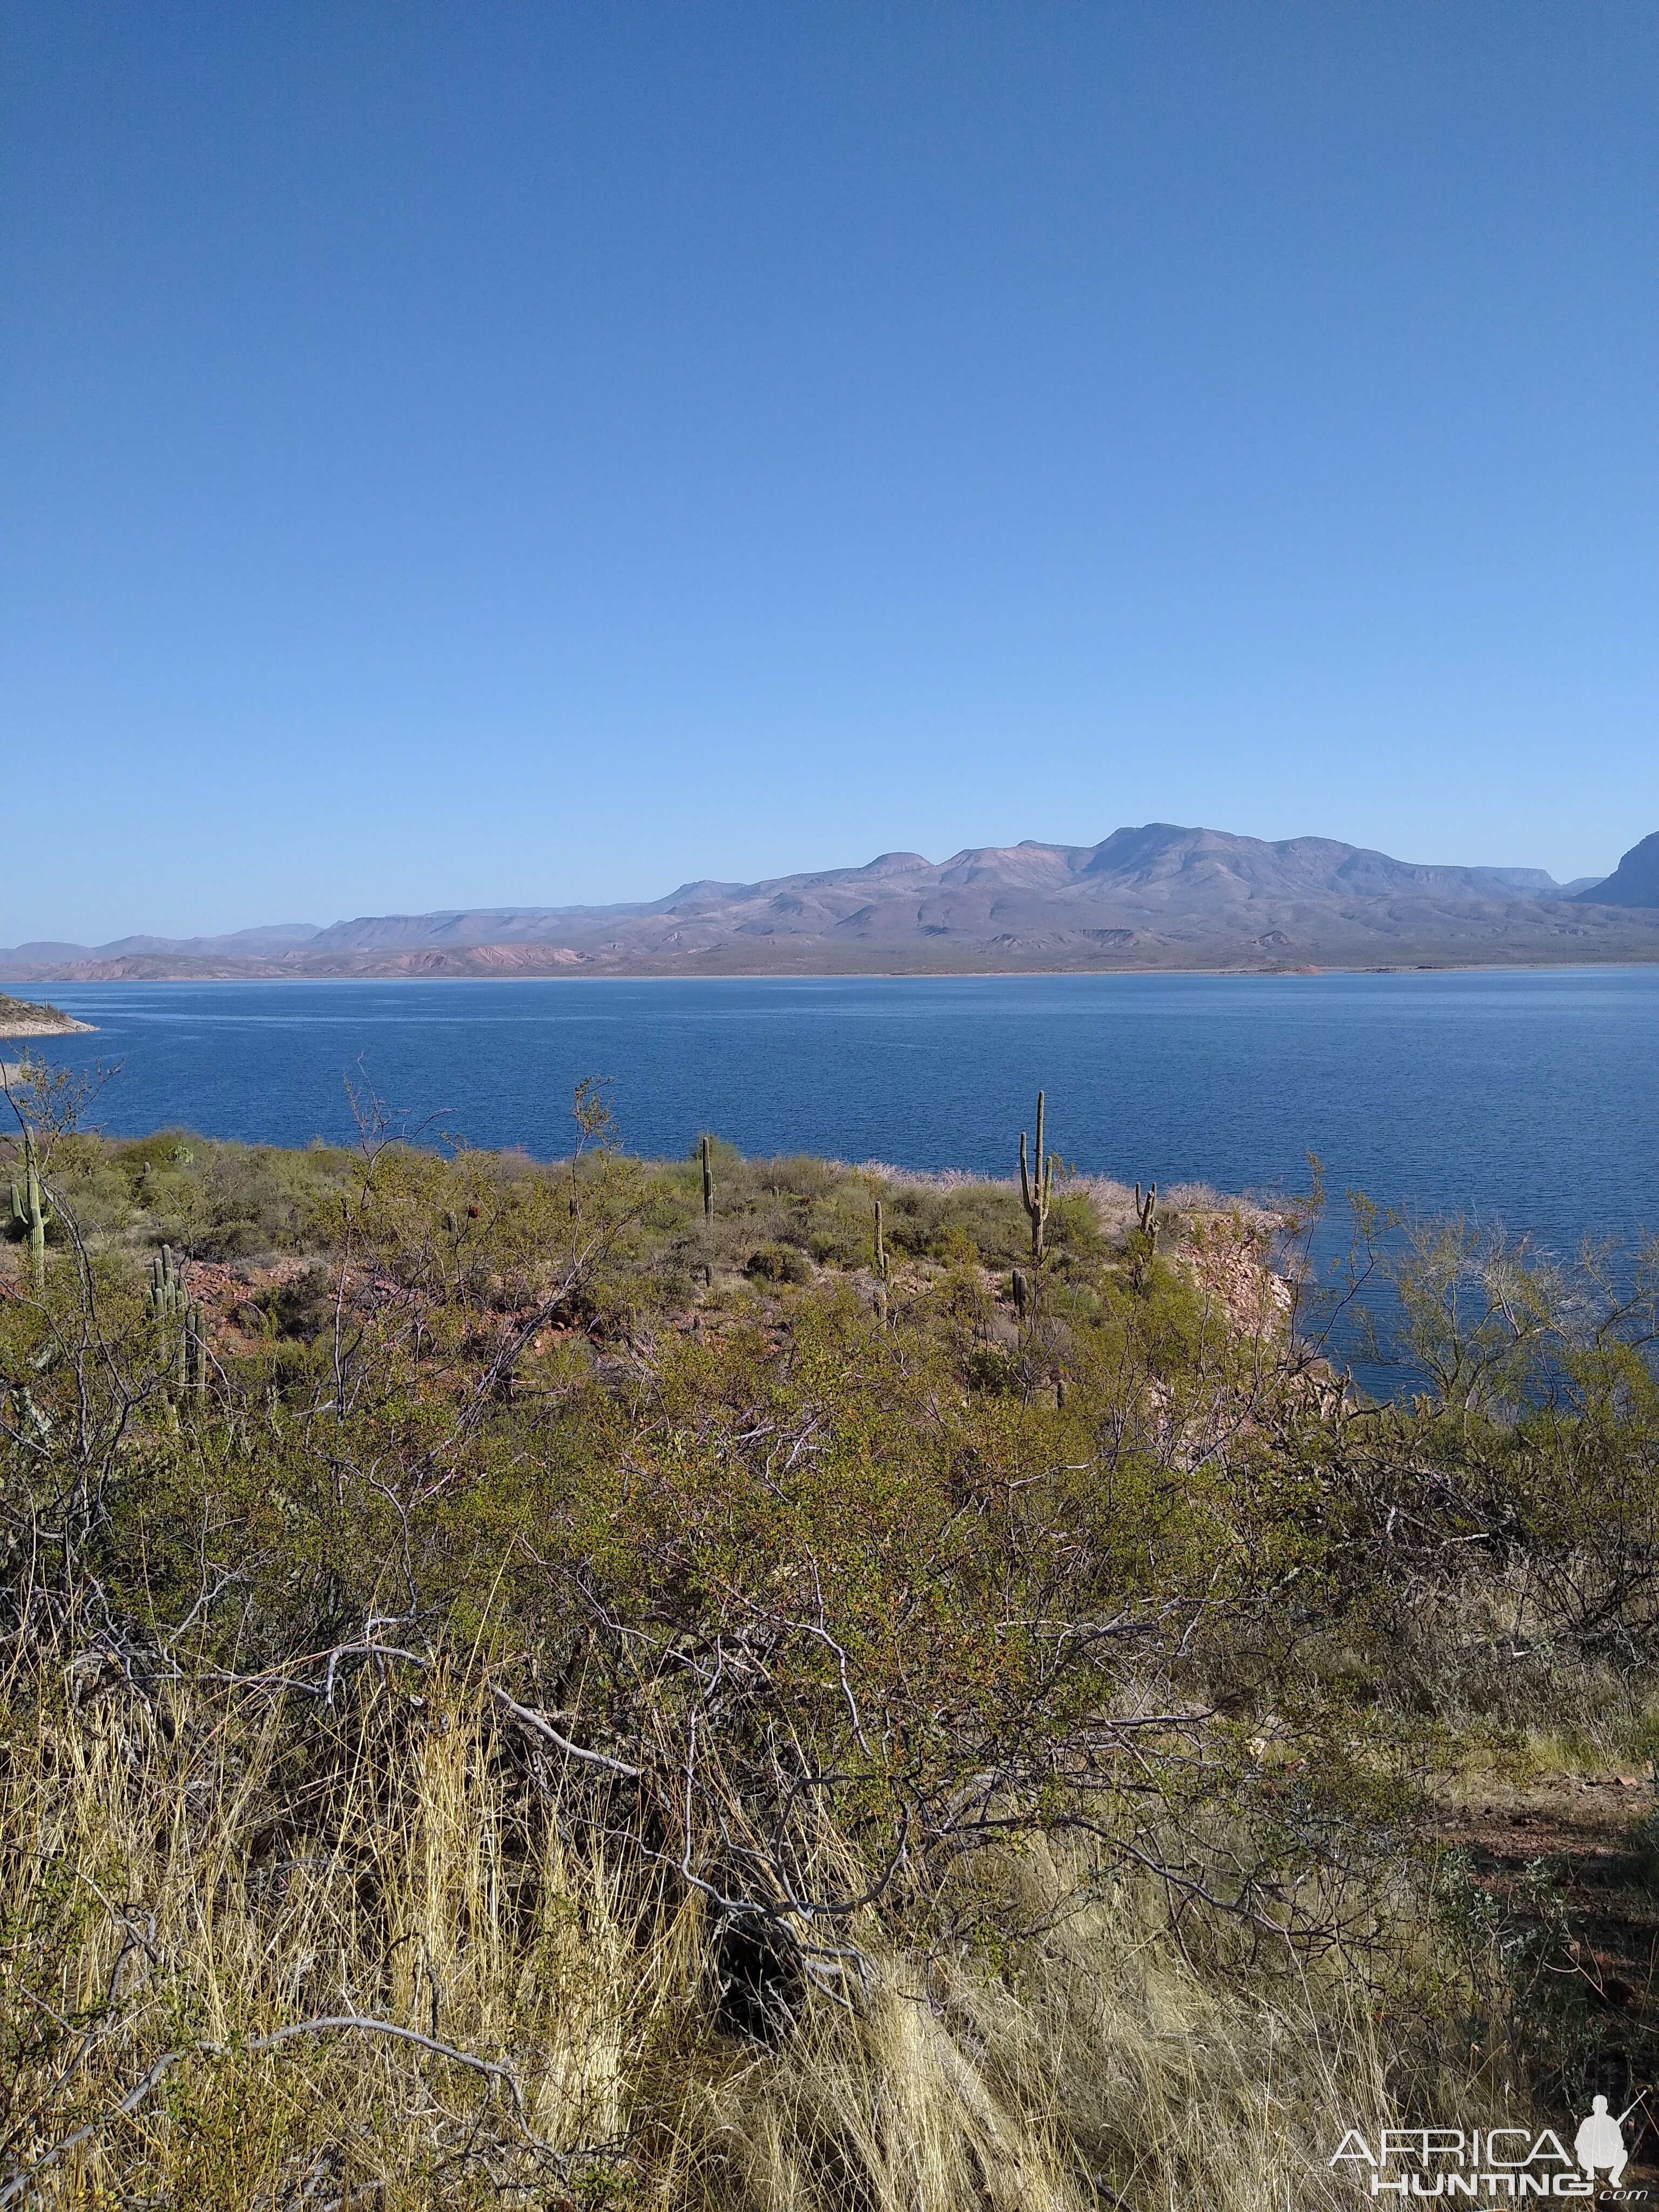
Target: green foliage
790, 1595
778, 1263
208, 1200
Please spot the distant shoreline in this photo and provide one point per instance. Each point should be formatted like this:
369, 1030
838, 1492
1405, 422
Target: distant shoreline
648, 973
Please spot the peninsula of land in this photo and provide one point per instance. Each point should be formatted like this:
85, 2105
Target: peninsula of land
22, 1018
1157, 898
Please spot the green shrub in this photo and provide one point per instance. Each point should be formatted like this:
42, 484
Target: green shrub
778, 1263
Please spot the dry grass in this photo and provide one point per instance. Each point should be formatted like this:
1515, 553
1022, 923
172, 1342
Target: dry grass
161, 1895
1103, 2067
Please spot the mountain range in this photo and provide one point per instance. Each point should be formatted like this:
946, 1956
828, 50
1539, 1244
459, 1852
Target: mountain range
1159, 897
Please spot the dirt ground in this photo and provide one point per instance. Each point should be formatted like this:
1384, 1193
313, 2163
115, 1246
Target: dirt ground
1575, 1859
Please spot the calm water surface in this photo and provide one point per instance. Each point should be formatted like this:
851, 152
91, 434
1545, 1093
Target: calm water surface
1530, 1098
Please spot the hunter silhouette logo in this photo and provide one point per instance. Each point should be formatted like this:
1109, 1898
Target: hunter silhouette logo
1600, 2142
1478, 2164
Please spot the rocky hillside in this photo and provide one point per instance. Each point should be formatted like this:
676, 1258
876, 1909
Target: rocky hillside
22, 1018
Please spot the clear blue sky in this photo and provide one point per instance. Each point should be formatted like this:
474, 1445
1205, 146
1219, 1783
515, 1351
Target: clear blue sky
501, 452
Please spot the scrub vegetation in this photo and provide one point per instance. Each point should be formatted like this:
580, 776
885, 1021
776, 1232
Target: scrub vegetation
623, 1683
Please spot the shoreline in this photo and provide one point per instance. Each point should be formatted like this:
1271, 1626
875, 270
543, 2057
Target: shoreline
1309, 971
62, 1025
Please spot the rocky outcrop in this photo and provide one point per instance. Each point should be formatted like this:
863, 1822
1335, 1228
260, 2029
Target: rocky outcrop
21, 1018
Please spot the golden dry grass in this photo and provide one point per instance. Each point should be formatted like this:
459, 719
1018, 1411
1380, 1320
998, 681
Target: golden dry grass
161, 1897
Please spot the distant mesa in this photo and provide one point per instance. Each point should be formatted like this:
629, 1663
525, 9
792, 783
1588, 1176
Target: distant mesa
1634, 882
1160, 895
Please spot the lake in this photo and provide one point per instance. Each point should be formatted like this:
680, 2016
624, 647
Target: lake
1530, 1098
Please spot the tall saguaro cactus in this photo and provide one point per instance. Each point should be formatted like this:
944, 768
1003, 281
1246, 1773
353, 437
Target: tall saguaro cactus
881, 1245
1142, 1240
1035, 1186
29, 1211
196, 1349
171, 1302
707, 1178
169, 1292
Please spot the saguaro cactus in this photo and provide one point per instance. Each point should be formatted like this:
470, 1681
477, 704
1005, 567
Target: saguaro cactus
29, 1211
196, 1349
170, 1301
1035, 1186
168, 1293
1142, 1240
707, 1178
881, 1245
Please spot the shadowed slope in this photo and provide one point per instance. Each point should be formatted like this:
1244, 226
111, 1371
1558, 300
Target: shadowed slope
1634, 882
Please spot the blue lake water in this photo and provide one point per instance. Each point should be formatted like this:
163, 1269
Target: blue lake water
1529, 1097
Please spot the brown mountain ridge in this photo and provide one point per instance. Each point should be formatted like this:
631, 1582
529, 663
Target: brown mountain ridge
1158, 897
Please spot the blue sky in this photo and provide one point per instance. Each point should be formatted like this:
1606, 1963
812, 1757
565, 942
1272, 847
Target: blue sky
499, 452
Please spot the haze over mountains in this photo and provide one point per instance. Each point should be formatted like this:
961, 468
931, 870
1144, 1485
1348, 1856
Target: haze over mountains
1158, 896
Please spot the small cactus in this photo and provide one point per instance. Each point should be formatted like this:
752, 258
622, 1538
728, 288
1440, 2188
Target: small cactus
1019, 1288
30, 1213
1035, 1186
707, 1179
